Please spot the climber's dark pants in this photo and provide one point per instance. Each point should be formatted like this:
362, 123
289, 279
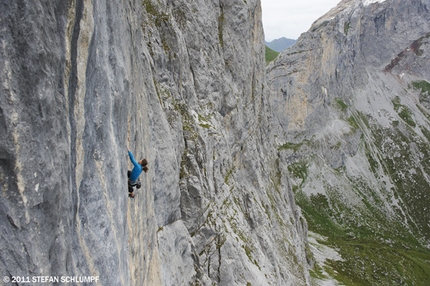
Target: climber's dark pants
130, 186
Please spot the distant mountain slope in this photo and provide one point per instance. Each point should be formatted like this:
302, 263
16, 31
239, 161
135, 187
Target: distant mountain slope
352, 102
270, 55
280, 44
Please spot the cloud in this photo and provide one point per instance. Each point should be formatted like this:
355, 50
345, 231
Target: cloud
287, 18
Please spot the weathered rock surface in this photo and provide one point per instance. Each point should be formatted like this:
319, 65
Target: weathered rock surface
351, 104
185, 81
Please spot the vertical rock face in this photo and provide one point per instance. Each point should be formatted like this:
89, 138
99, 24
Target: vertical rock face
352, 110
185, 82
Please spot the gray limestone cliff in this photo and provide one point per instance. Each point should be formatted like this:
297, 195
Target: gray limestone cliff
351, 105
184, 81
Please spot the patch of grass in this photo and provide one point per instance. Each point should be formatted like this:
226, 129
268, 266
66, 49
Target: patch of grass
424, 88
299, 170
293, 146
425, 132
403, 111
341, 104
422, 85
204, 125
353, 123
229, 174
405, 114
374, 165
317, 215
317, 272
290, 146
346, 27
424, 111
204, 121
206, 118
248, 251
320, 204
368, 257
379, 264
151, 9
270, 55
396, 103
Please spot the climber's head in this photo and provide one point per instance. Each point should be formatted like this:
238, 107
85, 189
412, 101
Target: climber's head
143, 162
145, 168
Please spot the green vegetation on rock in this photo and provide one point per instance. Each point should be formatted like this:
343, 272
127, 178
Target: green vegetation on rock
346, 27
341, 104
422, 85
270, 55
403, 111
379, 245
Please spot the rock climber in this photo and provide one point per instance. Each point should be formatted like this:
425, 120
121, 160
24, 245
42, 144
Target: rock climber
133, 175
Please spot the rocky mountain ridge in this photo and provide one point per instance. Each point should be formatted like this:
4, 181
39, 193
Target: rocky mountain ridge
184, 82
353, 129
280, 44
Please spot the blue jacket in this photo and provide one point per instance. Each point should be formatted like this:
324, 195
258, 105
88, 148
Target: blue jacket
137, 170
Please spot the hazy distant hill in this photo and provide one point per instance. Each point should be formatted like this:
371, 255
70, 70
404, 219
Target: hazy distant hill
280, 44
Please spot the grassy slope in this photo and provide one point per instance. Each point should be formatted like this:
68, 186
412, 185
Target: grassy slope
270, 55
377, 248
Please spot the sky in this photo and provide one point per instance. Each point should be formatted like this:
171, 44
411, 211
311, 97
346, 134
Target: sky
290, 18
